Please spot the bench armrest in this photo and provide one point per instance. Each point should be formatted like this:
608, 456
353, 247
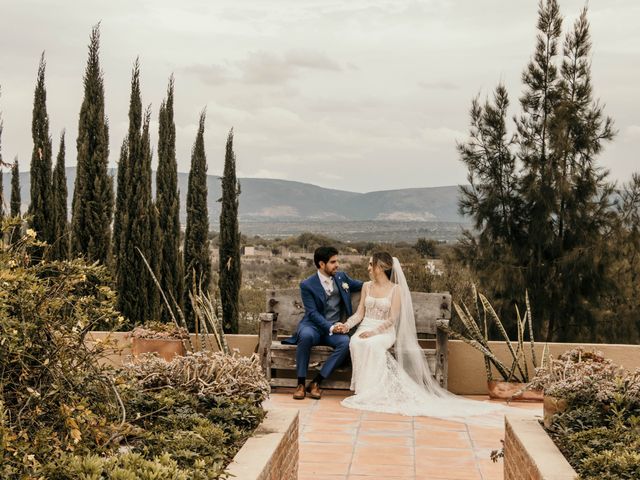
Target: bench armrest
442, 352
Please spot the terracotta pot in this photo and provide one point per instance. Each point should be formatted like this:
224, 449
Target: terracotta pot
501, 390
550, 406
166, 348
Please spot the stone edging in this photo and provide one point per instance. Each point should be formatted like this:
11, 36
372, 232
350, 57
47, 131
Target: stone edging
530, 453
272, 451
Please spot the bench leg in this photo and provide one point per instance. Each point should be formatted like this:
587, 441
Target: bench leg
442, 357
264, 343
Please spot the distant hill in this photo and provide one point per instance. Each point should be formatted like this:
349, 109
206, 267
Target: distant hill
268, 200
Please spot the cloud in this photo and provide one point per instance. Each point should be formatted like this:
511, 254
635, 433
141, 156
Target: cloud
264, 68
631, 133
440, 85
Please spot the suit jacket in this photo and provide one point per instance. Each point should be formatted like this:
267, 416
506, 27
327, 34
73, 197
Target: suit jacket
314, 299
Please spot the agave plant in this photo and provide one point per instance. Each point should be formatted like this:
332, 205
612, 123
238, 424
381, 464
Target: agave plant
476, 334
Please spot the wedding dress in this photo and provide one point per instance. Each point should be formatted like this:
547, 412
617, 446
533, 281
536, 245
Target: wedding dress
402, 384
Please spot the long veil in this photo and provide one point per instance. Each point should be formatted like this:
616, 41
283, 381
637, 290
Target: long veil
436, 401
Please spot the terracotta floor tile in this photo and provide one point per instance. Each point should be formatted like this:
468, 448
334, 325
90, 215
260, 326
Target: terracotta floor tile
385, 440
328, 437
437, 423
381, 457
321, 477
388, 450
322, 468
368, 426
378, 477
328, 448
490, 470
446, 455
442, 439
383, 471
319, 456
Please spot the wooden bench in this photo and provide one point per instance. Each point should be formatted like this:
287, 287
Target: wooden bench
285, 310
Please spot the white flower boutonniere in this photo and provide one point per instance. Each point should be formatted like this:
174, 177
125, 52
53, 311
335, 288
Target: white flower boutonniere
345, 286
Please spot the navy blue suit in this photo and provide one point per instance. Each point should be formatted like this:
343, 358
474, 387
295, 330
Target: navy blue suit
313, 329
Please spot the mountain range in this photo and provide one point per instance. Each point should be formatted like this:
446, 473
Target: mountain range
269, 200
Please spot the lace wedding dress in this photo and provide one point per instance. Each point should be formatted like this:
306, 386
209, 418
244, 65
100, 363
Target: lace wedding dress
402, 384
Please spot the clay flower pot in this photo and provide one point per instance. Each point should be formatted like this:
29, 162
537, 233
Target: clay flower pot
166, 348
501, 390
550, 406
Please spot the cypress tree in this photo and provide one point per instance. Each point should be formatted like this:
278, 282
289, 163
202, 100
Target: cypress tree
168, 204
92, 206
41, 199
60, 224
197, 257
120, 199
16, 201
230, 272
135, 297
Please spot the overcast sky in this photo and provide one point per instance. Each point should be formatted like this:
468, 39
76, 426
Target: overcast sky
358, 95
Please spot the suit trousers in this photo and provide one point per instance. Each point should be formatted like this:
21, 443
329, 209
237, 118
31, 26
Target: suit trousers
309, 337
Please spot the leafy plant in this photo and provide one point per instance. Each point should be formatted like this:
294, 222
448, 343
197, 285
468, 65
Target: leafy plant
476, 334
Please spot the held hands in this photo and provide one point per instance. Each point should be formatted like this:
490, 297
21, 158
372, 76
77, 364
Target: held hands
340, 328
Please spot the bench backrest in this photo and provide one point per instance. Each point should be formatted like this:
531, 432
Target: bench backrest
427, 307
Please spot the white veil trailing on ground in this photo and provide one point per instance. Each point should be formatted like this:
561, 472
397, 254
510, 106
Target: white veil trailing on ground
434, 401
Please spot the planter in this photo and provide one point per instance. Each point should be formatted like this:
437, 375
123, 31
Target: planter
551, 406
530, 453
501, 390
165, 348
272, 452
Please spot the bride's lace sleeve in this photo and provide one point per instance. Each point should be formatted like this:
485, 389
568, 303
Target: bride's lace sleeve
394, 313
357, 317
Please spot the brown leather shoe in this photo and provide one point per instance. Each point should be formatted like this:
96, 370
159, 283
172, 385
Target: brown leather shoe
314, 390
299, 394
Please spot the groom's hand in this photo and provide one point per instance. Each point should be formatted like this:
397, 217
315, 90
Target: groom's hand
340, 328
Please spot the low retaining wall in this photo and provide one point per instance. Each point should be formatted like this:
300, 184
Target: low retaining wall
272, 452
530, 454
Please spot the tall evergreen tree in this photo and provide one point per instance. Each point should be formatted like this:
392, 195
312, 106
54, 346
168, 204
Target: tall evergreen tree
197, 257
92, 206
60, 223
168, 203
120, 200
230, 271
135, 297
16, 201
549, 239
41, 199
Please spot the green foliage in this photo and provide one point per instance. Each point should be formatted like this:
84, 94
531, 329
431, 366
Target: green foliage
16, 202
92, 206
230, 269
599, 432
59, 249
426, 248
138, 298
168, 204
540, 202
197, 257
41, 199
475, 332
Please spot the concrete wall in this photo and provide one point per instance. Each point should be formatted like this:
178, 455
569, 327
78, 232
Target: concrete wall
466, 367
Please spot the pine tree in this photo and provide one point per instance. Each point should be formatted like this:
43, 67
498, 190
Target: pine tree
136, 300
92, 206
41, 199
120, 201
543, 220
16, 201
230, 271
168, 204
197, 257
60, 223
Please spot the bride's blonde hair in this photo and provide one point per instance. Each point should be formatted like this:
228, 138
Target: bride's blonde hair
384, 260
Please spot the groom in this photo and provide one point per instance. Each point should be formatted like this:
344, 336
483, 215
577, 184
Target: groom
326, 296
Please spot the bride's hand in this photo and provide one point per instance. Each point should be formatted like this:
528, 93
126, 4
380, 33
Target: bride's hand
366, 334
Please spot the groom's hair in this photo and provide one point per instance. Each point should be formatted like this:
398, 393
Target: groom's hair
324, 254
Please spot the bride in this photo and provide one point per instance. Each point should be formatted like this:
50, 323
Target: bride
403, 384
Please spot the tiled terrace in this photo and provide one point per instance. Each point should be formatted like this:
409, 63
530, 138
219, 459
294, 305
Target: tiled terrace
338, 443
